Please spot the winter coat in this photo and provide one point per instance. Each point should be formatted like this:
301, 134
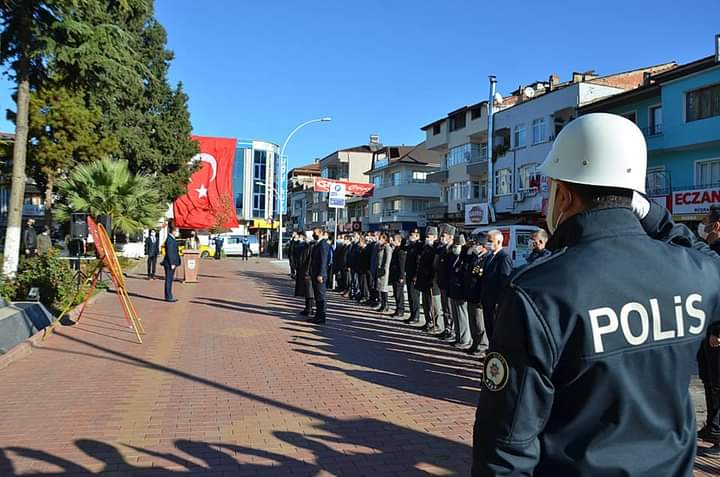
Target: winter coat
383, 268
303, 282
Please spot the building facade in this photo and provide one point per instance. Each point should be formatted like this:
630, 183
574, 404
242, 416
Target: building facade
254, 176
679, 113
402, 192
525, 124
300, 196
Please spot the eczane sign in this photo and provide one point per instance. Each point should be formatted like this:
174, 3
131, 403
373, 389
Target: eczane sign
697, 201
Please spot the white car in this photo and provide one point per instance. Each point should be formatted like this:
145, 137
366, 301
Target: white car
233, 244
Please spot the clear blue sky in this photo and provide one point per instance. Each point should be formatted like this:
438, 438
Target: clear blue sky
255, 69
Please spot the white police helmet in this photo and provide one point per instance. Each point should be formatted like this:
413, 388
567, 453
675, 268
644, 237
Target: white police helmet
599, 149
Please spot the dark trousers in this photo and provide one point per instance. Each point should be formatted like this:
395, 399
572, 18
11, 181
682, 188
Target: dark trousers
151, 266
319, 290
712, 401
399, 292
477, 326
365, 285
218, 253
489, 319
169, 277
413, 300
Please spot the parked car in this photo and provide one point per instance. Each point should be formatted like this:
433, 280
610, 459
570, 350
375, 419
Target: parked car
233, 244
516, 240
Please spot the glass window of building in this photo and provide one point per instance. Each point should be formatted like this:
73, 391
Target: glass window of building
436, 129
419, 205
239, 180
464, 153
519, 135
396, 204
396, 178
526, 175
376, 208
259, 187
377, 180
475, 112
483, 151
656, 121
656, 183
630, 115
419, 176
538, 130
702, 103
707, 173
381, 160
503, 182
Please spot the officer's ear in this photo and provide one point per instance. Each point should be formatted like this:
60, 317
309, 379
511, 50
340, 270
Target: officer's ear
566, 200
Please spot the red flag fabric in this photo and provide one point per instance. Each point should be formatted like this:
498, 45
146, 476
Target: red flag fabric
359, 189
209, 199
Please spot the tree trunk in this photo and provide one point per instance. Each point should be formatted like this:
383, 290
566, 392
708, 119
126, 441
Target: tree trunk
17, 191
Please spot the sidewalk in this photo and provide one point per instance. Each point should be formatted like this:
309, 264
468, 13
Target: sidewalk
230, 382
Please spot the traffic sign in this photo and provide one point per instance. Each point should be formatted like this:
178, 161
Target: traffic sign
337, 195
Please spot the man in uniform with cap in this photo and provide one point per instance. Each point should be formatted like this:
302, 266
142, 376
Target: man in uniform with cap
426, 283
444, 260
473, 289
589, 367
457, 294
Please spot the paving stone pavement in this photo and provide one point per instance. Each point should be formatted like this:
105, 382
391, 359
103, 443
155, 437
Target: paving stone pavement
231, 382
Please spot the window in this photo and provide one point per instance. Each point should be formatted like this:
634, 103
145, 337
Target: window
444, 194
483, 151
457, 121
526, 174
475, 112
631, 116
707, 173
538, 130
419, 176
656, 121
316, 216
376, 208
395, 177
656, 183
436, 129
419, 205
503, 182
702, 103
381, 160
458, 191
519, 135
259, 187
464, 153
377, 181
478, 190
297, 207
396, 204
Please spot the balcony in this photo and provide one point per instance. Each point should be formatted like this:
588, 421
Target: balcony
438, 177
409, 188
436, 212
653, 131
478, 168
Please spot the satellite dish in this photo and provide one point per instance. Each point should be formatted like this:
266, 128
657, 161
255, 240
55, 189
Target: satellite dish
498, 98
529, 92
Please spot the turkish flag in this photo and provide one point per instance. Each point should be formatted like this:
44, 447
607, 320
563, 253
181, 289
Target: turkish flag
209, 199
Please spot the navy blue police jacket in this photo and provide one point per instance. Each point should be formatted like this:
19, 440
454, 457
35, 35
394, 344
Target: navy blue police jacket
594, 347
414, 249
172, 253
496, 273
426, 269
445, 260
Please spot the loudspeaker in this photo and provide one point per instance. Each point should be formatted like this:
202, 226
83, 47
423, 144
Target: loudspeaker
78, 226
106, 221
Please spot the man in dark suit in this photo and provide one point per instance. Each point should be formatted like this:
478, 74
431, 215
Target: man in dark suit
319, 274
152, 250
496, 273
29, 239
170, 262
398, 275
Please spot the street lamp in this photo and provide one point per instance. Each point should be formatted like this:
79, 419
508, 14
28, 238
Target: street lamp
282, 171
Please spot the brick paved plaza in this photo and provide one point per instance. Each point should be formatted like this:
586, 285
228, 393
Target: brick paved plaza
230, 382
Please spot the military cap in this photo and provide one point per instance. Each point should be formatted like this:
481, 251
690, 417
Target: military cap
448, 229
430, 230
460, 240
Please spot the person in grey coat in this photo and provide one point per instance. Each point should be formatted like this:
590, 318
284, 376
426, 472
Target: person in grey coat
383, 271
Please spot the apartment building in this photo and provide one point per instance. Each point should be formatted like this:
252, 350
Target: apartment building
254, 175
402, 192
525, 124
679, 113
300, 196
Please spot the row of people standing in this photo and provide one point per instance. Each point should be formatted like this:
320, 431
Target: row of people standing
455, 281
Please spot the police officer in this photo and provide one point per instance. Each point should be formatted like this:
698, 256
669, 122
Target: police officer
458, 296
589, 367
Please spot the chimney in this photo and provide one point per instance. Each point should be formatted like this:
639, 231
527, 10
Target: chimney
717, 48
554, 80
577, 77
646, 78
374, 139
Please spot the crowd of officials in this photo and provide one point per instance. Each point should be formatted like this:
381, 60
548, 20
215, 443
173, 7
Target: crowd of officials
452, 282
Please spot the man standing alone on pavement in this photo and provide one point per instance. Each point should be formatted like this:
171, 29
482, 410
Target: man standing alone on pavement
170, 262
589, 366
218, 246
319, 272
152, 250
538, 240
496, 274
30, 239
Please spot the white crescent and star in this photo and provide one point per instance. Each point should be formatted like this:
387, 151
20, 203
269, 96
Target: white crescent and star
210, 159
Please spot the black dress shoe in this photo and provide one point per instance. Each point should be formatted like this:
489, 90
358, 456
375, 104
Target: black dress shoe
707, 435
316, 320
171, 300
304, 313
713, 451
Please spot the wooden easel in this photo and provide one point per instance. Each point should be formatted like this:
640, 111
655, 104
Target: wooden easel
106, 259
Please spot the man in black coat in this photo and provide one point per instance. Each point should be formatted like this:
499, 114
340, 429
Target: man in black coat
373, 279
292, 243
340, 264
496, 274
171, 261
426, 282
29, 239
397, 274
303, 279
319, 274
413, 249
152, 251
445, 260
366, 284
477, 255
538, 240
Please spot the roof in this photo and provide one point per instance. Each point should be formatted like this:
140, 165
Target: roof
652, 89
7, 136
312, 167
417, 154
364, 148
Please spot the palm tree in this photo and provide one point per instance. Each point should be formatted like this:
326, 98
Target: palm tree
108, 187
